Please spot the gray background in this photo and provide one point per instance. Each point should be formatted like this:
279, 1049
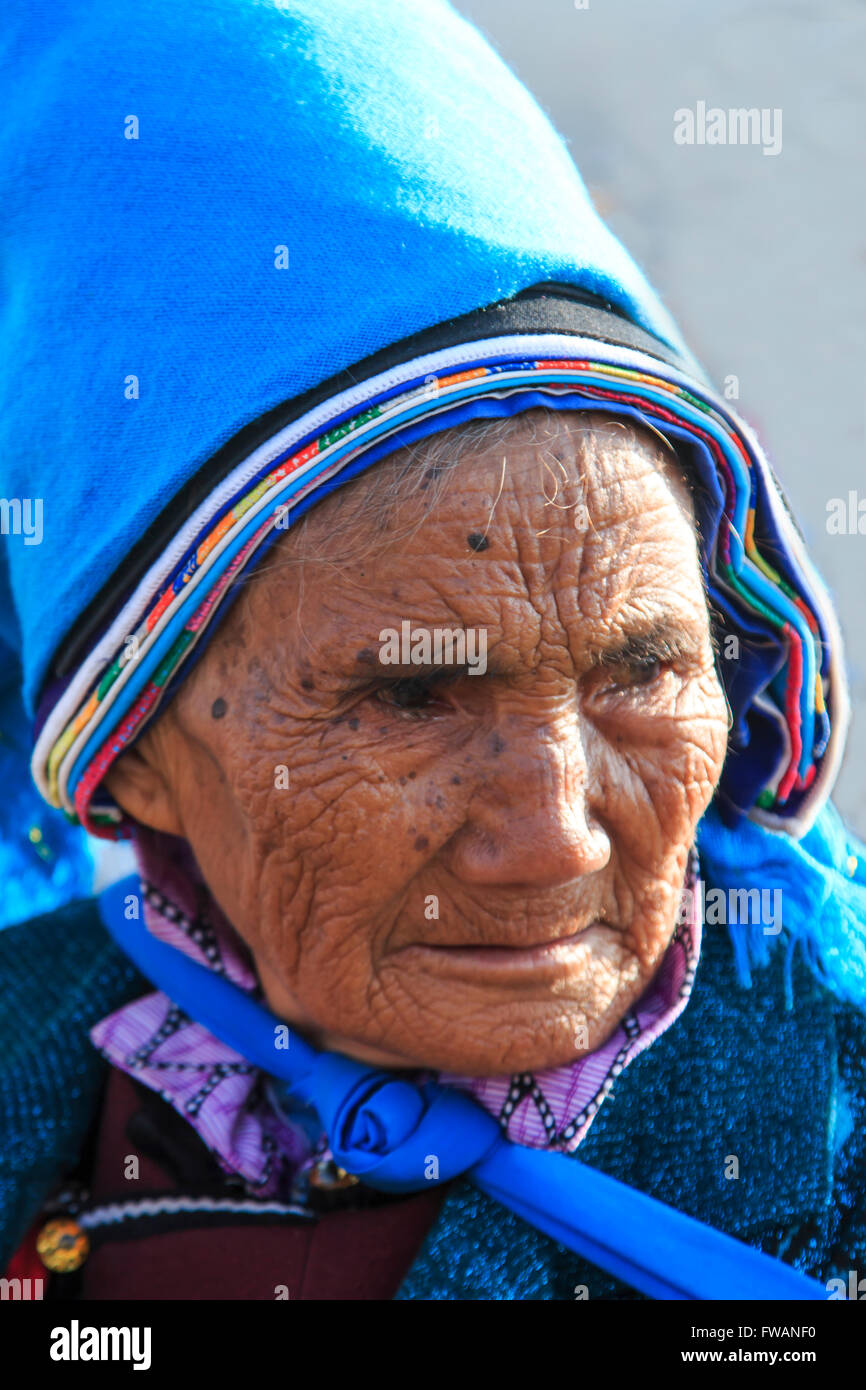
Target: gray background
760, 258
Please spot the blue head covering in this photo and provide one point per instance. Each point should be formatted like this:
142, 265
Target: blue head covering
251, 248
213, 208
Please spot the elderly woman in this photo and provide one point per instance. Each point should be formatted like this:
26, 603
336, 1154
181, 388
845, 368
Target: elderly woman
444, 646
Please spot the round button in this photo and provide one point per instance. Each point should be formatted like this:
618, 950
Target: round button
328, 1176
62, 1245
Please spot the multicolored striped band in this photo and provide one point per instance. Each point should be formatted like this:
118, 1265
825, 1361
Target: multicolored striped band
786, 689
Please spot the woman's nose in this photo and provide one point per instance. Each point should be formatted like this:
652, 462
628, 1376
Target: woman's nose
530, 819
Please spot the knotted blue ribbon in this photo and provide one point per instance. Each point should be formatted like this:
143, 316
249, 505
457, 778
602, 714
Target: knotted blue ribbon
385, 1129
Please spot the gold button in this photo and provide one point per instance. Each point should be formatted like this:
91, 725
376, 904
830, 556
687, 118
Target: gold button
328, 1176
852, 865
62, 1246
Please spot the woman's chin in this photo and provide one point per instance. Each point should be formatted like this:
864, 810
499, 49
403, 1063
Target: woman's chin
533, 1045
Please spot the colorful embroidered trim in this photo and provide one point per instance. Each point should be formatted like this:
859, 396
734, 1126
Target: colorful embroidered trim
740, 575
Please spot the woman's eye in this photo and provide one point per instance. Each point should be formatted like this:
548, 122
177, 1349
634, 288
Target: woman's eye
411, 694
419, 695
634, 674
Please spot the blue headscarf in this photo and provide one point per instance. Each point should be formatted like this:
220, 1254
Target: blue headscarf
243, 237
153, 169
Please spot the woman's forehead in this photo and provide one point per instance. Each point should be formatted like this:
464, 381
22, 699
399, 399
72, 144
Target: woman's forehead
586, 534
531, 472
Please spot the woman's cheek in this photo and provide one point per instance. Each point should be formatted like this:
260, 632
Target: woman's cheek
659, 768
323, 827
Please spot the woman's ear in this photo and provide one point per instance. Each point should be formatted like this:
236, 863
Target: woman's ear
141, 789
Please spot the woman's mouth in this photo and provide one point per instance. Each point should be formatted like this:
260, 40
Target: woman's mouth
557, 956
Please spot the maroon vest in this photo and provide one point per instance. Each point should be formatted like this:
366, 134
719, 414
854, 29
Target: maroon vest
184, 1230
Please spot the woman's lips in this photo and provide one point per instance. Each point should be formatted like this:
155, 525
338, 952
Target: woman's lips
556, 957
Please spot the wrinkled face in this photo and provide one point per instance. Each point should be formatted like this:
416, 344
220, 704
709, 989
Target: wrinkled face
435, 866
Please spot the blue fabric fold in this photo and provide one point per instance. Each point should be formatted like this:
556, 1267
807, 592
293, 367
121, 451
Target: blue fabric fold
44, 861
386, 1127
822, 882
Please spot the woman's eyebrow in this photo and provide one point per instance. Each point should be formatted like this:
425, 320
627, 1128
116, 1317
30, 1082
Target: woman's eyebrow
424, 670
368, 666
668, 638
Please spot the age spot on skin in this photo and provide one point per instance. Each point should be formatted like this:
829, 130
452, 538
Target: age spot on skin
421, 843
218, 708
477, 541
497, 744
433, 472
